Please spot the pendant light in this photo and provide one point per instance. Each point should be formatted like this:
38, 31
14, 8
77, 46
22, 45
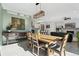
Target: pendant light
39, 13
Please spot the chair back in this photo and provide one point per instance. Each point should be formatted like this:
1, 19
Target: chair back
35, 39
29, 34
64, 42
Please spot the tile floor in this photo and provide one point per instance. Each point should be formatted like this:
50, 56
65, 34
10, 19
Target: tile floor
20, 49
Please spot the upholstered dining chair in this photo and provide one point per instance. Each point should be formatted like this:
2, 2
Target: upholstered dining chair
37, 44
60, 49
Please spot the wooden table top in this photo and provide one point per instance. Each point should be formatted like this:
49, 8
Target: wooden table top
47, 38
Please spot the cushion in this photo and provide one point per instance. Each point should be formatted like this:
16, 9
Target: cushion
54, 46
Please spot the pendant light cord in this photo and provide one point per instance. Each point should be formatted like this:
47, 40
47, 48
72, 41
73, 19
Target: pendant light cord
40, 6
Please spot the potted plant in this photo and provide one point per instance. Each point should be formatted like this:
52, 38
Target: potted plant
78, 36
8, 28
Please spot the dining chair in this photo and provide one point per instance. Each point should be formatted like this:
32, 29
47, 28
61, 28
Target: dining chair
60, 49
29, 37
37, 44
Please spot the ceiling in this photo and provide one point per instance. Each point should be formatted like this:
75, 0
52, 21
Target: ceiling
51, 9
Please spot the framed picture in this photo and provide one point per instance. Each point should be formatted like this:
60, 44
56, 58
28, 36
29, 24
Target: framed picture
70, 25
47, 26
18, 23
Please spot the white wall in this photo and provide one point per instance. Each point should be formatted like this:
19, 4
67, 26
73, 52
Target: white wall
59, 20
7, 19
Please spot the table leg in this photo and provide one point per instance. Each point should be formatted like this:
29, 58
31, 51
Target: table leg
7, 40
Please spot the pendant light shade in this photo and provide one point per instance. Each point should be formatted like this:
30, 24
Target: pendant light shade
39, 14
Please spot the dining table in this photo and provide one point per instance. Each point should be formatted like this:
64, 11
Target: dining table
47, 39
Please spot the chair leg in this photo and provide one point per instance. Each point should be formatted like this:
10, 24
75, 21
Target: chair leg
33, 49
64, 53
53, 52
60, 54
38, 51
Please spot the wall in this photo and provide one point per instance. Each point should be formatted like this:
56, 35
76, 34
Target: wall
0, 24
59, 20
7, 19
